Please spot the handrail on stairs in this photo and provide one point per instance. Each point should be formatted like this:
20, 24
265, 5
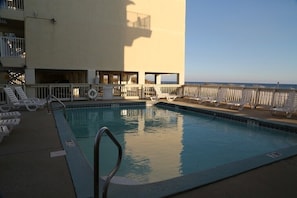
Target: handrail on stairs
49, 100
97, 164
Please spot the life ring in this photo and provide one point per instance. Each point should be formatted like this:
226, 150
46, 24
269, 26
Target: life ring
92, 93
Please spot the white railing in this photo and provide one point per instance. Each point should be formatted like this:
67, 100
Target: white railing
261, 96
12, 47
12, 4
265, 97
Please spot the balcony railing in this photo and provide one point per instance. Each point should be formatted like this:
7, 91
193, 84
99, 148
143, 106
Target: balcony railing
137, 20
12, 4
12, 47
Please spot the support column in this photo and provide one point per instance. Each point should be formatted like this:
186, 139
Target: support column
30, 80
141, 78
30, 76
110, 78
91, 76
158, 79
180, 79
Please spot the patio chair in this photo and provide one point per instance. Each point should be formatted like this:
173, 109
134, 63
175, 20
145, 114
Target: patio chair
160, 94
205, 97
4, 131
15, 103
12, 114
290, 106
23, 96
221, 97
246, 97
10, 123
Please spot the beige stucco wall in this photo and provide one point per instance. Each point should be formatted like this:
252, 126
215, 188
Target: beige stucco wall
93, 35
164, 51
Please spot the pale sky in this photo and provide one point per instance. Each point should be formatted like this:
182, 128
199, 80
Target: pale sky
241, 41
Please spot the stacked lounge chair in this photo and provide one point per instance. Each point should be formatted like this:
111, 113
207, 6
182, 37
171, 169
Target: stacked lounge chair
4, 131
8, 121
221, 96
204, 96
246, 97
289, 107
210, 97
11, 114
15, 103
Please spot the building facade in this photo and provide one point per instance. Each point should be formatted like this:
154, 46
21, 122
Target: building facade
92, 41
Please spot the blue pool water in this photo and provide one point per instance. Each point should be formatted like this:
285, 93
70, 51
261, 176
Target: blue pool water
161, 144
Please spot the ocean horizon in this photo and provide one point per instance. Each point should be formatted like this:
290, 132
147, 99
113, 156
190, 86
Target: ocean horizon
270, 85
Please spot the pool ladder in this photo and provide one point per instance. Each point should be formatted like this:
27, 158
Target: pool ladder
96, 161
50, 98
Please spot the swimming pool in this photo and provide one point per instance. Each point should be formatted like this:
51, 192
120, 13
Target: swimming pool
180, 146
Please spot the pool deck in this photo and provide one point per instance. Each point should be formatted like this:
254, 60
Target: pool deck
28, 170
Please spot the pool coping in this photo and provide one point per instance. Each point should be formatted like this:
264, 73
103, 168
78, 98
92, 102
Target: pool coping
83, 181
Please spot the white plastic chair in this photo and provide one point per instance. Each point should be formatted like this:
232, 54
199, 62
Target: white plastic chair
4, 131
12, 114
221, 96
246, 97
289, 107
10, 123
23, 96
15, 103
160, 94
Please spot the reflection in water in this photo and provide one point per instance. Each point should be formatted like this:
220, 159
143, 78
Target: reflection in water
151, 140
160, 144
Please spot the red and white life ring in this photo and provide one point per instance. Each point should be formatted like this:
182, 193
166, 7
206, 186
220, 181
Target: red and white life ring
92, 93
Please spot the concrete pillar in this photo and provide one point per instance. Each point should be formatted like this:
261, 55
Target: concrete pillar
181, 79
158, 79
30, 76
141, 78
110, 78
30, 80
91, 76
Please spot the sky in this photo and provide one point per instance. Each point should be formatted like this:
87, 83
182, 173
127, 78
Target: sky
248, 41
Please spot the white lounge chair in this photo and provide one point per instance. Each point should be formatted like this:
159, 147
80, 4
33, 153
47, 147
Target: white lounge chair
12, 114
246, 97
160, 94
221, 97
23, 96
289, 107
6, 126
204, 96
15, 103
10, 123
4, 131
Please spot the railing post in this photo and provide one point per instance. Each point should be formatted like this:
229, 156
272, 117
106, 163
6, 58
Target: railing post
71, 92
1, 47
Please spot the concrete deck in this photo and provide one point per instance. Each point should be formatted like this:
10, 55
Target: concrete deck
27, 170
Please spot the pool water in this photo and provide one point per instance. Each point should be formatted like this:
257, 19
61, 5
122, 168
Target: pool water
160, 144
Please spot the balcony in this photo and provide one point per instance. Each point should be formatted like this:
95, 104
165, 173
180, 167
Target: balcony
12, 9
138, 25
137, 20
12, 51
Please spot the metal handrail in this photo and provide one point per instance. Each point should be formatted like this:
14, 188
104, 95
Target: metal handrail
49, 100
96, 162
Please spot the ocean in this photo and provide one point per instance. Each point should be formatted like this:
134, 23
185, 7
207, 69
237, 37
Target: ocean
281, 86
